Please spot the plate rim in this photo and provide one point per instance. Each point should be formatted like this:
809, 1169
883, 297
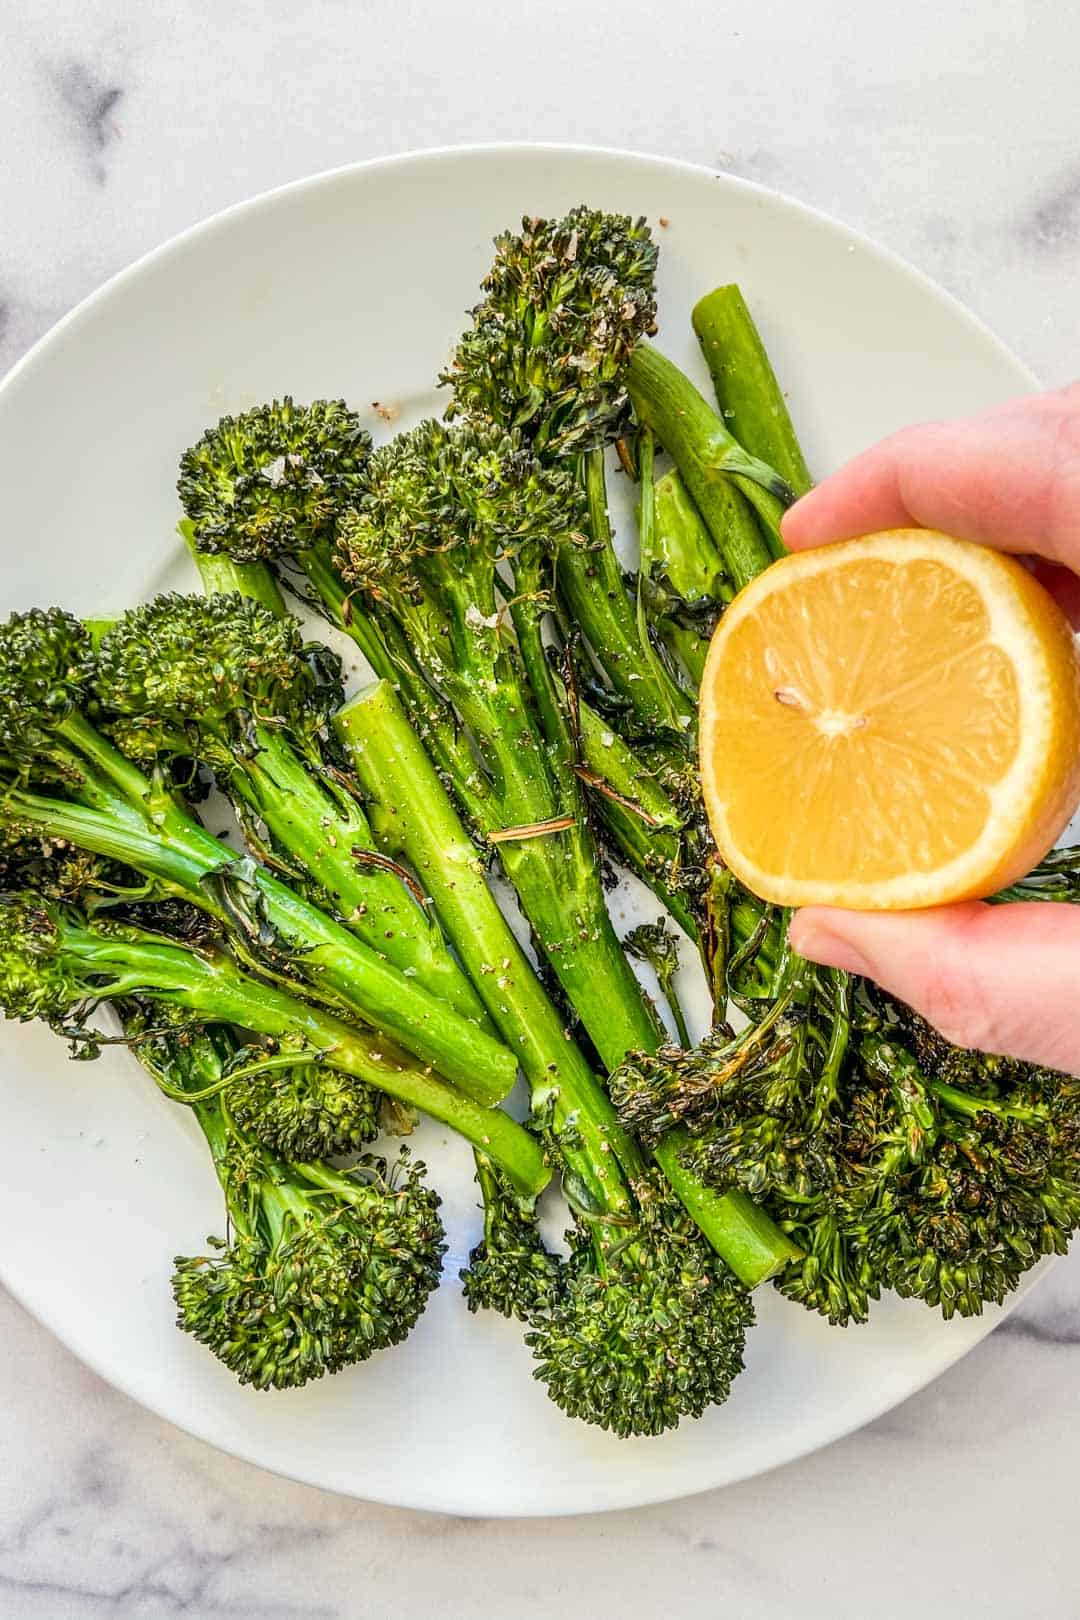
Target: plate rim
509, 150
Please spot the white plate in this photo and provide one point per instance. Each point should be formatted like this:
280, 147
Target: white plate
355, 284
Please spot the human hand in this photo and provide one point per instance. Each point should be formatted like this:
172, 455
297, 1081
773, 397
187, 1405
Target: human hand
1002, 978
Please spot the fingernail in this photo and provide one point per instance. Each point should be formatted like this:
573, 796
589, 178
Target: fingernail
824, 945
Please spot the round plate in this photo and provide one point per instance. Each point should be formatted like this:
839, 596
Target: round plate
354, 284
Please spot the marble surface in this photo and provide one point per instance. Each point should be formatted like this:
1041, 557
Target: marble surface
949, 133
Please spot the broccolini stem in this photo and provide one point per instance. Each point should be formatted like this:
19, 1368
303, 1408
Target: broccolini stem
966, 1102
751, 400
710, 461
417, 820
599, 983
747, 1239
682, 712
196, 1063
640, 817
528, 606
605, 753
337, 606
220, 574
491, 1195
909, 1086
128, 818
125, 962
327, 834
117, 837
826, 1089
591, 583
98, 628
390, 656
105, 776
683, 555
1056, 878
674, 1001
318, 822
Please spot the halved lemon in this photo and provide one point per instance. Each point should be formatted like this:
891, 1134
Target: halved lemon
890, 722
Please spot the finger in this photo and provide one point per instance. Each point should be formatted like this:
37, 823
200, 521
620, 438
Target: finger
1009, 479
1001, 978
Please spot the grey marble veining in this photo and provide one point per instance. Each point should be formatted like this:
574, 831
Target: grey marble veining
949, 133
956, 1503
90, 104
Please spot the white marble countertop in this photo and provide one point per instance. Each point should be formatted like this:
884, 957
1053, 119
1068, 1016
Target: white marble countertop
949, 133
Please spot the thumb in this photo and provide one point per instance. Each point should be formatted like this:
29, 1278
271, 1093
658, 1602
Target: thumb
1001, 978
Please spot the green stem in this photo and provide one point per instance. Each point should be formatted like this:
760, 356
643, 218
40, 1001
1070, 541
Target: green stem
683, 562
640, 818
220, 574
117, 838
322, 828
327, 834
391, 659
642, 821
747, 1239
146, 828
215, 989
419, 823
558, 884
908, 1086
591, 583
671, 996
750, 397
965, 1102
196, 1063
497, 709
527, 610
827, 1089
711, 461
605, 753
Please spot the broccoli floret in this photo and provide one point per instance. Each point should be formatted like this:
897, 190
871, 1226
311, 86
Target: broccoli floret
45, 656
983, 1183
656, 944
306, 1110
321, 1267
270, 483
58, 870
442, 507
649, 1325
656, 1091
564, 304
198, 674
509, 1270
889, 1179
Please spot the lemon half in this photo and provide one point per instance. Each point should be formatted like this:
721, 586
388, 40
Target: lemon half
890, 722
